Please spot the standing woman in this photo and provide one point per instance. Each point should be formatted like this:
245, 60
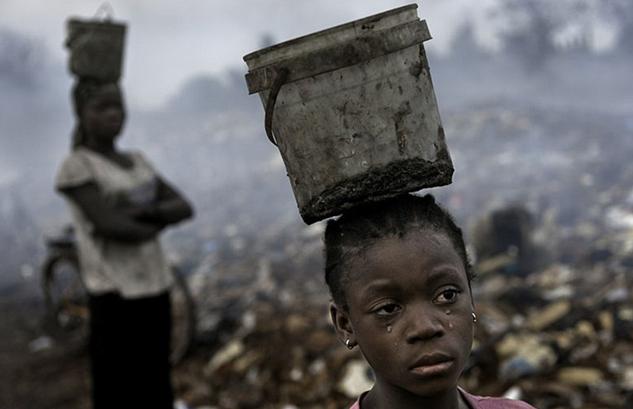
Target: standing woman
119, 205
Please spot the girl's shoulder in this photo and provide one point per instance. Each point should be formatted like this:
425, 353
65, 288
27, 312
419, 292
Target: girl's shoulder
76, 154
83, 156
74, 170
487, 402
481, 402
356, 405
129, 159
138, 157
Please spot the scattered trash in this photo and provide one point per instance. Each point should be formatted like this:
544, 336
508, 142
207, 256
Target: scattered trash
40, 344
355, 380
580, 376
557, 333
225, 355
180, 404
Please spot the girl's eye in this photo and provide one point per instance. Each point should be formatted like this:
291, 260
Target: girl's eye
387, 310
447, 296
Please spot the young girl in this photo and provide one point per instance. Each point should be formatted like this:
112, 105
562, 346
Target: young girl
119, 206
400, 282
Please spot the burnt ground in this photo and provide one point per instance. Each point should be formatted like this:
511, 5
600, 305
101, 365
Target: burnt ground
25, 380
57, 375
257, 280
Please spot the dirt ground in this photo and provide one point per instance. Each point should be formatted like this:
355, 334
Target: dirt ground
42, 371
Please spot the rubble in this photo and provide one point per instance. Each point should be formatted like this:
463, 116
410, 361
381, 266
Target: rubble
541, 319
355, 379
579, 376
256, 272
41, 343
556, 331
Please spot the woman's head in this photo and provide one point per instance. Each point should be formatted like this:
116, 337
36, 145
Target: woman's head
100, 110
400, 279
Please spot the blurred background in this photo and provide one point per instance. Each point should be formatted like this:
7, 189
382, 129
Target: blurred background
536, 98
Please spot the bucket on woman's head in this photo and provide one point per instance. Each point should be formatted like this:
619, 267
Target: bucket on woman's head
96, 48
353, 112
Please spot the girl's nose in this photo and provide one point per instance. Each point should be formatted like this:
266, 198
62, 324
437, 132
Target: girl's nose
423, 325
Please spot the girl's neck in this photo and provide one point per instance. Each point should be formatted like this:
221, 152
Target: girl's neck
104, 148
392, 398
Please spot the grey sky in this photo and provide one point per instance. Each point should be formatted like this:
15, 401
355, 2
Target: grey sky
171, 40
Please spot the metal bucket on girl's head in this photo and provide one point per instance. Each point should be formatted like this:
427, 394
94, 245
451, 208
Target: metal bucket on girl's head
353, 112
96, 48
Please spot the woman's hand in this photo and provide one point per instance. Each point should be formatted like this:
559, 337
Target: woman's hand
171, 207
124, 222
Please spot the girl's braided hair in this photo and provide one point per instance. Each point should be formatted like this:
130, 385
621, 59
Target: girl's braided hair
349, 235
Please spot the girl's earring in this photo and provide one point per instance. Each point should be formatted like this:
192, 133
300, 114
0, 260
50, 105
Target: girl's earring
349, 344
474, 317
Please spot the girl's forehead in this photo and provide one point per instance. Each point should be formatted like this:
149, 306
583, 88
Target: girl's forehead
422, 248
411, 266
420, 241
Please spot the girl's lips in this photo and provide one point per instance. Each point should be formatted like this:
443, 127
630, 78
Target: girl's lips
438, 367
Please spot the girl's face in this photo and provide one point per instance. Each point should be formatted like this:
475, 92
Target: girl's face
102, 116
410, 312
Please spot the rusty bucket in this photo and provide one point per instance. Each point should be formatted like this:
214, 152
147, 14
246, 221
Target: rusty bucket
353, 112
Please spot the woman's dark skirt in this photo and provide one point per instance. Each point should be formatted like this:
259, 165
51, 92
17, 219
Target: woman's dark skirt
129, 350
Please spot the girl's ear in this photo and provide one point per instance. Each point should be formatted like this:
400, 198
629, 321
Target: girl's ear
343, 325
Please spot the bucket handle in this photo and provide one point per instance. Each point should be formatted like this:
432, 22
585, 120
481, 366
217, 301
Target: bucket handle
281, 74
106, 10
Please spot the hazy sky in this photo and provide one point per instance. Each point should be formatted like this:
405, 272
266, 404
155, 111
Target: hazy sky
168, 41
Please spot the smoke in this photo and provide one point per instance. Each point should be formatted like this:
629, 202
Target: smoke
208, 138
19, 60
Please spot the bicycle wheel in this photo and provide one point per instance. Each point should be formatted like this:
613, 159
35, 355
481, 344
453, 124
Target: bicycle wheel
64, 295
183, 318
67, 304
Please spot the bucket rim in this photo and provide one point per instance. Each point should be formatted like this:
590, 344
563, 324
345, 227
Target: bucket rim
77, 27
94, 23
339, 27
